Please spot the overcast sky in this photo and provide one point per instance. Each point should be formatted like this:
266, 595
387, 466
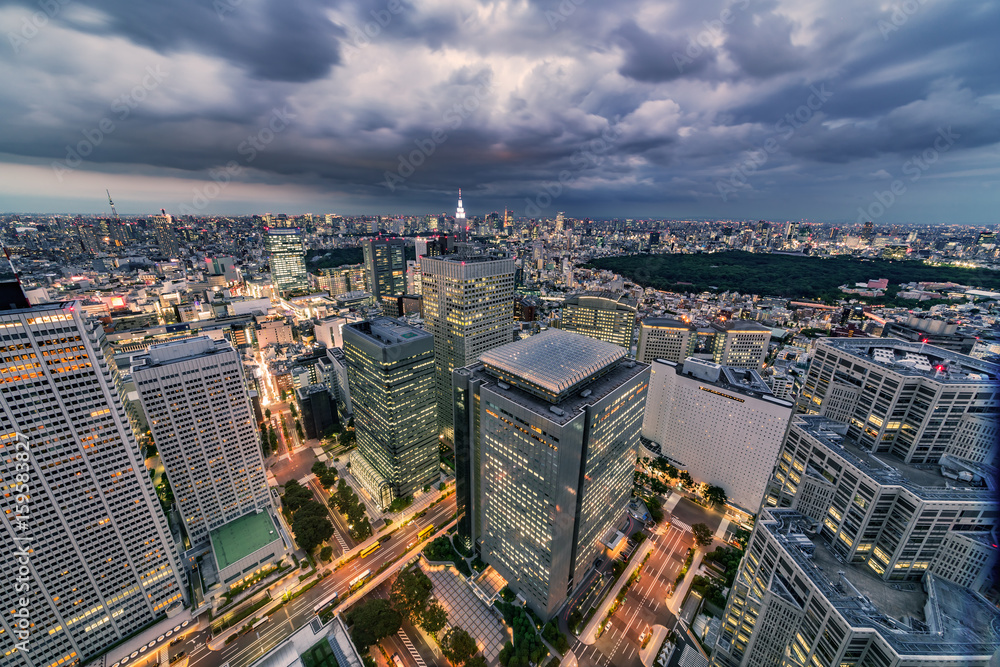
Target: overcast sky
831, 110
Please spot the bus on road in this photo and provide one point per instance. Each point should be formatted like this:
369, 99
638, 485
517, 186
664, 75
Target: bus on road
425, 532
325, 602
396, 661
260, 623
359, 580
369, 549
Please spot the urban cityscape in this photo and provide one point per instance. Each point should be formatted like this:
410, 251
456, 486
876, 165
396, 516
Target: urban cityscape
498, 334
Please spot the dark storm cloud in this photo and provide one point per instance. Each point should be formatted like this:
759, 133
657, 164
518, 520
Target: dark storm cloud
640, 103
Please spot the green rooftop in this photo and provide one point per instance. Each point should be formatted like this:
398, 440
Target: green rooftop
240, 538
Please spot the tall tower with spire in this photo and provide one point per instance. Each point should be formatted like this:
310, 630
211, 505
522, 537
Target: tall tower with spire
460, 213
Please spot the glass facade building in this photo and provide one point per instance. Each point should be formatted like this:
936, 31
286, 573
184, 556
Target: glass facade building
287, 257
390, 368
546, 436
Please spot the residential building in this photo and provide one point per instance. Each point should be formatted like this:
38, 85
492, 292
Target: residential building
390, 366
607, 316
796, 602
286, 253
912, 400
546, 433
194, 395
385, 266
468, 306
83, 535
721, 424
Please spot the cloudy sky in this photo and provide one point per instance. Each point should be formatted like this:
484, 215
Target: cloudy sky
834, 110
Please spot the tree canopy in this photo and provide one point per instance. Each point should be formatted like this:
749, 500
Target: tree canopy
410, 593
702, 534
311, 525
295, 495
371, 621
458, 646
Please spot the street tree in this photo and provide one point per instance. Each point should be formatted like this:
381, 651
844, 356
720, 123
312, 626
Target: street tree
372, 621
295, 495
311, 525
702, 534
458, 646
715, 495
410, 593
434, 617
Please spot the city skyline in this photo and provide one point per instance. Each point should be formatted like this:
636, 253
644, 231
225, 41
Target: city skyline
715, 110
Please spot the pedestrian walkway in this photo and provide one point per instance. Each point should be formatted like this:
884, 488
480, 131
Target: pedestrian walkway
409, 647
720, 532
465, 609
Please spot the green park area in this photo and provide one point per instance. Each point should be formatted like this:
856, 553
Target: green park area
784, 275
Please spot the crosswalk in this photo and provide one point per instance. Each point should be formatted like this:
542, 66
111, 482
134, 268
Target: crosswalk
413, 651
340, 540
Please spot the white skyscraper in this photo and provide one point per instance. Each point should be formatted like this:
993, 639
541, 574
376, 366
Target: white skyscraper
460, 213
194, 395
88, 555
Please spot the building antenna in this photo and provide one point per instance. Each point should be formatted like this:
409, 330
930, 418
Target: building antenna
113, 209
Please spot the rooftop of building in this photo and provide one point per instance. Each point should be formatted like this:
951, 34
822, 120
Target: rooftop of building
925, 481
184, 349
740, 325
572, 404
935, 617
387, 331
553, 363
666, 323
241, 537
603, 299
918, 359
729, 378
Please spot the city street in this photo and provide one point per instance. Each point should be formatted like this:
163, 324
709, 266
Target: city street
249, 647
644, 605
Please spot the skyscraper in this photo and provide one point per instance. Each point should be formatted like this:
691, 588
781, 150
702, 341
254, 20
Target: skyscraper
287, 255
390, 367
607, 316
194, 395
720, 423
166, 235
796, 602
385, 266
84, 538
460, 213
468, 301
546, 435
740, 343
665, 338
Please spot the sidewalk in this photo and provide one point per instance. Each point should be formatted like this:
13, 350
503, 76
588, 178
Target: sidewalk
587, 636
675, 602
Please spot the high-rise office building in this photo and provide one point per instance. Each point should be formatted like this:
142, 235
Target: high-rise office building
385, 266
546, 431
468, 305
895, 520
607, 316
342, 279
194, 396
720, 423
390, 367
166, 235
664, 338
287, 258
738, 343
83, 537
795, 601
915, 401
